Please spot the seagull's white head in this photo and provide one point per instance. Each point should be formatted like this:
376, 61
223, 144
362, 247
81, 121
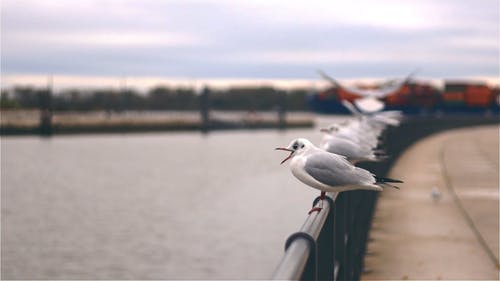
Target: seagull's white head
296, 147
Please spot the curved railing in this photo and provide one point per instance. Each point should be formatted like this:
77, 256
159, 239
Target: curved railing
331, 244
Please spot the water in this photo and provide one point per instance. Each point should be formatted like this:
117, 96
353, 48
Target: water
148, 206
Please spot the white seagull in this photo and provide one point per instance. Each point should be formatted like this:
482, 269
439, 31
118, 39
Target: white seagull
370, 98
357, 139
329, 172
346, 130
387, 89
354, 152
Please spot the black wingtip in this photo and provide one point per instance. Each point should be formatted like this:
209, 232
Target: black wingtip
385, 180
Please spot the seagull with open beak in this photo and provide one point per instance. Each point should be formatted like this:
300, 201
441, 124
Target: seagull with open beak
329, 172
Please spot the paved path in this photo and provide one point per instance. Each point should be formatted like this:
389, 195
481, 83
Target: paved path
455, 237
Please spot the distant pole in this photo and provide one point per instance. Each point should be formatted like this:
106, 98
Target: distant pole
120, 101
205, 109
45, 104
282, 110
123, 83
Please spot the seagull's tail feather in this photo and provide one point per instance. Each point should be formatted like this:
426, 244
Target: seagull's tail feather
381, 181
384, 184
386, 180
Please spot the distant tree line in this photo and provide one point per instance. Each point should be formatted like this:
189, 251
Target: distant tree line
158, 98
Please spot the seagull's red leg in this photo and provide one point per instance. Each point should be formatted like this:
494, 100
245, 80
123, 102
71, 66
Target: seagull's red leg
317, 209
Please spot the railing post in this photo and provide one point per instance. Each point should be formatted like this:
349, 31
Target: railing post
367, 206
282, 96
354, 233
45, 105
326, 250
340, 234
350, 243
205, 109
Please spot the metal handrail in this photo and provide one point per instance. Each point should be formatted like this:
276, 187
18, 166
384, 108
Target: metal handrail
300, 246
338, 252
330, 244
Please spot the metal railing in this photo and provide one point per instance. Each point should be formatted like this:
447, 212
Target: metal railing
331, 243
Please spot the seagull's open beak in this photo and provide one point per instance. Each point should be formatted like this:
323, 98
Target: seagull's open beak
285, 149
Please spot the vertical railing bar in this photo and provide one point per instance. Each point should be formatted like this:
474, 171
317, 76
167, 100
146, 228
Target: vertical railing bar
340, 235
326, 251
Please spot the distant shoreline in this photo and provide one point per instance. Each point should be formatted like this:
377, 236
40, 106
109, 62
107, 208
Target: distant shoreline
133, 128
28, 123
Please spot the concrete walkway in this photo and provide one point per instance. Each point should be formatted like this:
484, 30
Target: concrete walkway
454, 237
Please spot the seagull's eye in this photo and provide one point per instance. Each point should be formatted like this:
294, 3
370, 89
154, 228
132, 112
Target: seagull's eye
295, 146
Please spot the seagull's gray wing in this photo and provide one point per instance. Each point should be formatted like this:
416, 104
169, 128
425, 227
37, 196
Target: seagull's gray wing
334, 170
339, 86
360, 92
394, 87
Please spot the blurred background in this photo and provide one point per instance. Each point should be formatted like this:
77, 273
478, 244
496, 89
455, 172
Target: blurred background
137, 136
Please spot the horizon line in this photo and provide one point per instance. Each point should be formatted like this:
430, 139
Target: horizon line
144, 83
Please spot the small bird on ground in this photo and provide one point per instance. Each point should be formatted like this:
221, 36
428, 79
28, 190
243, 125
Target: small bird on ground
435, 194
329, 172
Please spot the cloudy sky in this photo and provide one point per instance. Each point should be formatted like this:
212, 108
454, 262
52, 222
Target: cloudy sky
248, 39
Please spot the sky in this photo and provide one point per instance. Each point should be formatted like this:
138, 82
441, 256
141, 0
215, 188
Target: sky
101, 42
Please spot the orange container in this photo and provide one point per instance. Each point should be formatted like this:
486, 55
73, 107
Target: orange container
424, 95
453, 97
478, 95
401, 97
454, 93
496, 96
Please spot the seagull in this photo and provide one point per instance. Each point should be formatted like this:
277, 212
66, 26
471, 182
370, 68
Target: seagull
387, 89
369, 100
358, 138
353, 132
354, 152
329, 172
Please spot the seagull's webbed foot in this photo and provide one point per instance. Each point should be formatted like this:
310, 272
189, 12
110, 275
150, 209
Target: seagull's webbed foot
318, 209
315, 209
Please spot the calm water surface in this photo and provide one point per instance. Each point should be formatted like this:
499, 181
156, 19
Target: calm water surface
148, 206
